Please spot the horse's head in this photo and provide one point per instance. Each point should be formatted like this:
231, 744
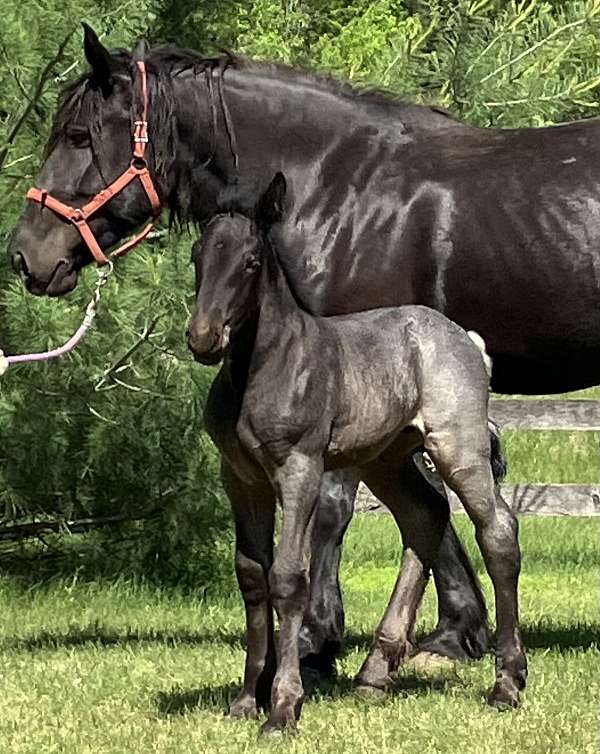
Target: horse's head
89, 147
227, 261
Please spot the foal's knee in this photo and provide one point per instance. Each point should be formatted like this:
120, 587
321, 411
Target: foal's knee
252, 580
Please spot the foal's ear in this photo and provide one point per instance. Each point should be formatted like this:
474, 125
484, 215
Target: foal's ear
269, 209
100, 60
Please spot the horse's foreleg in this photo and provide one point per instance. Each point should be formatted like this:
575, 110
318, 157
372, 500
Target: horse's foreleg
462, 631
323, 625
401, 488
297, 487
254, 510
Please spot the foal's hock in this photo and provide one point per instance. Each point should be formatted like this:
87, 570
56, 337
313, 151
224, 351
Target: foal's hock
306, 394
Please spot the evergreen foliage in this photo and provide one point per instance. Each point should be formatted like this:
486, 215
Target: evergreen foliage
76, 441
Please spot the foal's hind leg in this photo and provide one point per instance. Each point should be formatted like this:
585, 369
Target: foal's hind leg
253, 509
462, 631
401, 487
323, 625
469, 474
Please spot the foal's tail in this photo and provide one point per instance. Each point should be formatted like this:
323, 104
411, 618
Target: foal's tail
480, 343
498, 459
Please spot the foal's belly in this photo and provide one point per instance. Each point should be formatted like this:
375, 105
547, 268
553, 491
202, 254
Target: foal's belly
400, 444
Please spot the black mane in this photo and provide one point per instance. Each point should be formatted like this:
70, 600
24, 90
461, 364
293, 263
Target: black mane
81, 102
168, 61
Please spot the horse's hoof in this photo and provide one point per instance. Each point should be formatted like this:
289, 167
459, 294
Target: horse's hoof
460, 644
430, 662
502, 698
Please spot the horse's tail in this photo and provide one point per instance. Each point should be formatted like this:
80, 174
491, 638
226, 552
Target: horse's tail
497, 456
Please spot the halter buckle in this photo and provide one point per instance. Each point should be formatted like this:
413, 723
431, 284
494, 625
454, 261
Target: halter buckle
140, 133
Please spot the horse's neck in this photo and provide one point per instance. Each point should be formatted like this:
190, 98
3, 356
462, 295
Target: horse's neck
260, 132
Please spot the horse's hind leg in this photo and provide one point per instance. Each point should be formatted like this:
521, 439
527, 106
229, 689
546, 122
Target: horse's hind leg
469, 474
403, 490
323, 625
254, 510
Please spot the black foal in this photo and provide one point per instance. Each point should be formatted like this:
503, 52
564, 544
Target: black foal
304, 394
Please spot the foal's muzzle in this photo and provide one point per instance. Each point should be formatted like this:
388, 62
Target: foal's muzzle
208, 342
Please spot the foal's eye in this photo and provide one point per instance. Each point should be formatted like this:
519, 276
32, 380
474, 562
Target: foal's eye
251, 264
78, 137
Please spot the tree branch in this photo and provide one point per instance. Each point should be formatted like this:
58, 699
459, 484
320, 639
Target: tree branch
35, 98
122, 360
33, 529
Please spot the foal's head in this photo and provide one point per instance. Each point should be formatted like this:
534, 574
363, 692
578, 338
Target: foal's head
228, 260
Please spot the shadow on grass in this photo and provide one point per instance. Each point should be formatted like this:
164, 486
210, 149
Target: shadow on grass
577, 636
218, 698
96, 634
536, 636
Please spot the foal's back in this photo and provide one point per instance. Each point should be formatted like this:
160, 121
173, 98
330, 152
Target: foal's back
390, 370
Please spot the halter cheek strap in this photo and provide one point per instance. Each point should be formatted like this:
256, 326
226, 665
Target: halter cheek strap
138, 168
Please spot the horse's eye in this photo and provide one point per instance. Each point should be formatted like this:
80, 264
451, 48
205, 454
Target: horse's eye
219, 245
78, 137
251, 264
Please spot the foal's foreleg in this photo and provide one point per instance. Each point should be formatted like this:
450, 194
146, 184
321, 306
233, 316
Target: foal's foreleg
253, 509
403, 490
297, 487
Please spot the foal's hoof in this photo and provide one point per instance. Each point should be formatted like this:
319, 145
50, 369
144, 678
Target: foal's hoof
503, 698
278, 726
244, 707
274, 731
369, 693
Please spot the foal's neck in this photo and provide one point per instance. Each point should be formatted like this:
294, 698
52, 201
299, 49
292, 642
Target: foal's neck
275, 298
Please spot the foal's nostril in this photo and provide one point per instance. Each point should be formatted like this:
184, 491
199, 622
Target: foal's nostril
20, 265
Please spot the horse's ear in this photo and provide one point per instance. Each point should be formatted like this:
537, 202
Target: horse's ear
140, 51
100, 60
269, 209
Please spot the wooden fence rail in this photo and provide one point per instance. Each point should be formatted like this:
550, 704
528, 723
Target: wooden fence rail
538, 499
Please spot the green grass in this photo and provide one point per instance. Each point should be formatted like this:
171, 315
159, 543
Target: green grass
118, 669
559, 456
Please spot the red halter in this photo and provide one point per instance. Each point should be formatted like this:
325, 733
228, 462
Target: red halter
137, 169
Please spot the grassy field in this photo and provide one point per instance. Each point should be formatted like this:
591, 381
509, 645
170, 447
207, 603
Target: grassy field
119, 669
559, 456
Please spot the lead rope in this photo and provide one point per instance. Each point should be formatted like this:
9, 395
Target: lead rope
90, 314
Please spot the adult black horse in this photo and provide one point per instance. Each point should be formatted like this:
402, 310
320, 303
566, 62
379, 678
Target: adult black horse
389, 204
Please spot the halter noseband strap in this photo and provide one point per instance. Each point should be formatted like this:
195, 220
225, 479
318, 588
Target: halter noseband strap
137, 169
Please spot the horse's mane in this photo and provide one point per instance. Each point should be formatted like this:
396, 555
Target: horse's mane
81, 101
168, 61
